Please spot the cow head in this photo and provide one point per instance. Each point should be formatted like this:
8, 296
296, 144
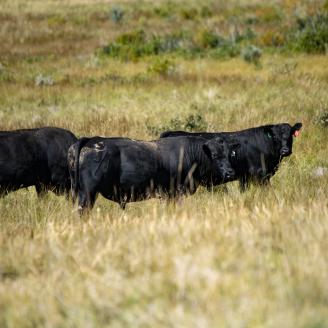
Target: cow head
219, 151
282, 137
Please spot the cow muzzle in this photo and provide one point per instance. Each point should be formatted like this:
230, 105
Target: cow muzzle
285, 151
229, 174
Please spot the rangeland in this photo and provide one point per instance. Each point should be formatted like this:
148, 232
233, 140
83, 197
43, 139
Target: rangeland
214, 259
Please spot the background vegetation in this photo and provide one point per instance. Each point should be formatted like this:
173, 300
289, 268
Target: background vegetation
136, 68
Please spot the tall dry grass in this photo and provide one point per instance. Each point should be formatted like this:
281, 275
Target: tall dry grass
216, 259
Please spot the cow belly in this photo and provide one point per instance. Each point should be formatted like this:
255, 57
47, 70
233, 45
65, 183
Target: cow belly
20, 175
137, 186
16, 177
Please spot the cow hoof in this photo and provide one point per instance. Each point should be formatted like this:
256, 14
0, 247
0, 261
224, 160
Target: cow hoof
80, 209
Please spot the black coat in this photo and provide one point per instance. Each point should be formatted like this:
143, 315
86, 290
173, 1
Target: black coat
125, 170
260, 152
35, 157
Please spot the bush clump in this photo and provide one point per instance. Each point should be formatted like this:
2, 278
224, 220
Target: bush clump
207, 39
228, 49
163, 67
44, 80
252, 54
133, 45
116, 14
195, 122
189, 13
165, 10
5, 75
137, 44
272, 38
312, 34
323, 119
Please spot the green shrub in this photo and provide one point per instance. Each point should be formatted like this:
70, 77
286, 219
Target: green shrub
5, 75
169, 9
134, 38
56, 20
130, 46
227, 50
171, 42
325, 6
133, 45
206, 11
165, 10
189, 13
247, 35
251, 19
272, 38
44, 80
137, 44
252, 54
162, 66
207, 39
312, 34
323, 119
117, 15
195, 122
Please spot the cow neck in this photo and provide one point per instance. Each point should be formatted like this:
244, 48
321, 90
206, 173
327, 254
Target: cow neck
270, 153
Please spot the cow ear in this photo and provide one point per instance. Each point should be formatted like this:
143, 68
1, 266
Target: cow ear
268, 132
207, 150
213, 147
234, 146
296, 128
210, 149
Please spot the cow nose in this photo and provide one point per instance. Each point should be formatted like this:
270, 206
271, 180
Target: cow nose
284, 151
229, 174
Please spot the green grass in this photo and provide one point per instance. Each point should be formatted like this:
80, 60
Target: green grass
215, 259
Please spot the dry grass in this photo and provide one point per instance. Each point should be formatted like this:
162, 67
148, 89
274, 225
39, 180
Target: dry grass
216, 259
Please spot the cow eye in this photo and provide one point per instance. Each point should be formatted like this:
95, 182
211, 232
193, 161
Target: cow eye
233, 153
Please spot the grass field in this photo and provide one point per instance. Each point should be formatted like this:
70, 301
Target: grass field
215, 259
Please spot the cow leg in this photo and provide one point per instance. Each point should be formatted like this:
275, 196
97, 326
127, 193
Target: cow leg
68, 193
86, 201
40, 190
265, 182
60, 180
3, 192
209, 187
63, 190
123, 205
73, 194
87, 194
70, 188
82, 202
177, 196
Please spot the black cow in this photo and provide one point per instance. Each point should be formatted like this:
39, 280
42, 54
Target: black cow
125, 170
35, 157
262, 149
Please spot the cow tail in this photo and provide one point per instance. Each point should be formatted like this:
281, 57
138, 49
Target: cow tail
80, 144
